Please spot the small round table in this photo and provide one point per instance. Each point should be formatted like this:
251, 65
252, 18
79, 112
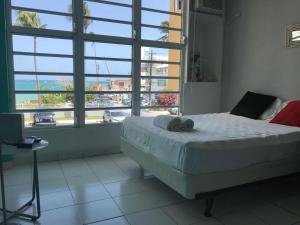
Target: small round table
35, 186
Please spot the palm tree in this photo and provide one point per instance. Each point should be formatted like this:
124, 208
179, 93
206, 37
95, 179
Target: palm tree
31, 20
86, 12
164, 30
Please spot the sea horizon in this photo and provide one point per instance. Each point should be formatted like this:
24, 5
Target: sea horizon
45, 85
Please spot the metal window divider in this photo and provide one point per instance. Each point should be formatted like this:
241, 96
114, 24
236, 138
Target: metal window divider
78, 44
136, 57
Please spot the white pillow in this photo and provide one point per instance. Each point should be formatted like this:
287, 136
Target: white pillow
272, 111
284, 104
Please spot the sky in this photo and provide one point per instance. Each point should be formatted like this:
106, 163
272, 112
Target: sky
64, 46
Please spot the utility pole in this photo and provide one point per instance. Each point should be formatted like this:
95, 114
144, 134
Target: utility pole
97, 65
150, 75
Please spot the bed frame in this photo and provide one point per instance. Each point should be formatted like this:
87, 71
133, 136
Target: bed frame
208, 185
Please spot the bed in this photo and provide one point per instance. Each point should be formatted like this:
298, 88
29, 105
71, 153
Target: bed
223, 151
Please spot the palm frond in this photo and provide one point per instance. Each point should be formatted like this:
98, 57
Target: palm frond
29, 19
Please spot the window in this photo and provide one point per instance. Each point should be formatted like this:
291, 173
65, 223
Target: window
42, 71
83, 67
160, 66
161, 21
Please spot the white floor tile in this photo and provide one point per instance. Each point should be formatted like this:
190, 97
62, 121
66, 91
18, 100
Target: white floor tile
51, 175
14, 202
153, 184
145, 200
98, 211
21, 222
18, 170
76, 167
57, 185
72, 162
62, 216
98, 160
82, 181
136, 202
246, 194
273, 215
111, 174
49, 166
126, 187
167, 196
225, 205
115, 221
100, 163
151, 217
18, 190
241, 218
18, 179
186, 213
126, 164
85, 194
56, 200
118, 156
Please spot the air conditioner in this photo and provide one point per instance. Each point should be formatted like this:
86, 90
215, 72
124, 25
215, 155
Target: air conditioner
209, 6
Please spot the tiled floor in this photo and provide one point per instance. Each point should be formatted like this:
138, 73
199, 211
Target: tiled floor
108, 190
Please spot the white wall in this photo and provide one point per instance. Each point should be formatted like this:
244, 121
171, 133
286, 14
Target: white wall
200, 98
204, 97
68, 143
255, 54
206, 38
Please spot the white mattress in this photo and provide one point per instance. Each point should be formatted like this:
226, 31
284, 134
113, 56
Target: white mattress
220, 142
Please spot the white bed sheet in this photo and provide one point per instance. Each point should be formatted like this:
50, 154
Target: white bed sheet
220, 142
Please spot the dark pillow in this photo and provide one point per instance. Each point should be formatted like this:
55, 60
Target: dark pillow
252, 105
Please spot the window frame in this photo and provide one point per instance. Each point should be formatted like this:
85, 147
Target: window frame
78, 37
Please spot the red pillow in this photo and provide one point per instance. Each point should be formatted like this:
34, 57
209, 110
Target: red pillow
289, 115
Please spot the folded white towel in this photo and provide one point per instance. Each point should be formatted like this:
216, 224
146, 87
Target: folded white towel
187, 124
170, 123
173, 123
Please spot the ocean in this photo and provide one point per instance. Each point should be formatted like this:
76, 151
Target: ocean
45, 85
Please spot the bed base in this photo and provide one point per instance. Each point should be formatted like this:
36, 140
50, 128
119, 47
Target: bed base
209, 185
209, 197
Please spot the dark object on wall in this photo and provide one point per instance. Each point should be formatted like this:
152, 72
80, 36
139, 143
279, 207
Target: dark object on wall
293, 36
200, 70
252, 105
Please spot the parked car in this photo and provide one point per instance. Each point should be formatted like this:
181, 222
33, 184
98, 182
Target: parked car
105, 102
144, 103
44, 119
113, 116
126, 102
